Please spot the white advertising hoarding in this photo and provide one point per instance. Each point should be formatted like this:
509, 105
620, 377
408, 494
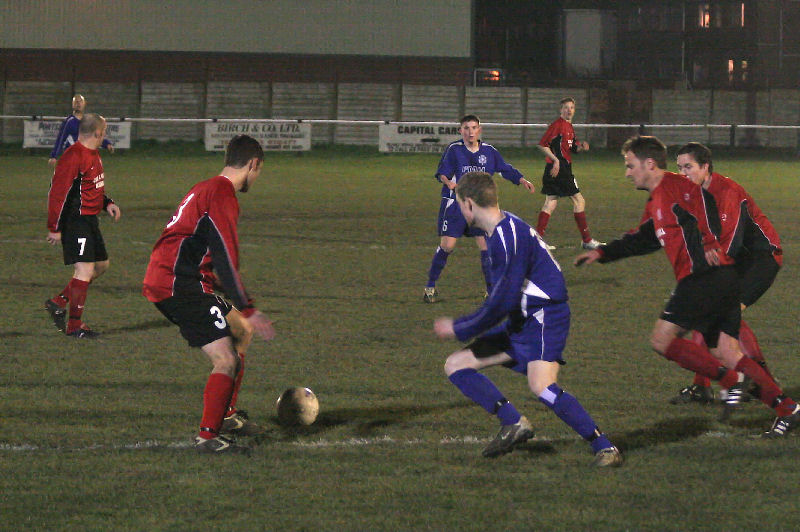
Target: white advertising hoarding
273, 136
416, 138
43, 133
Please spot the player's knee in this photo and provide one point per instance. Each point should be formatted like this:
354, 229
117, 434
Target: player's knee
659, 343
457, 361
226, 363
100, 268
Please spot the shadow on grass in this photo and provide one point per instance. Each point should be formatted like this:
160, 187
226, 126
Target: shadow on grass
14, 334
143, 326
367, 420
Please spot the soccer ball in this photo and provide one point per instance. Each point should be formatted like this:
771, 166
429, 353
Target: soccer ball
297, 406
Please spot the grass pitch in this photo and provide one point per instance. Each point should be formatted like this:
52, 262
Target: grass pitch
335, 247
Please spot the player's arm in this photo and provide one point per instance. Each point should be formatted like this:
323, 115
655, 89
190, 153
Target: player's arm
507, 171
65, 173
60, 139
550, 156
111, 208
447, 168
639, 241
696, 205
108, 145
509, 272
223, 243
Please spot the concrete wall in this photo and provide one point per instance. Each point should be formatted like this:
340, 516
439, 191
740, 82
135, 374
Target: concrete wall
414, 28
388, 101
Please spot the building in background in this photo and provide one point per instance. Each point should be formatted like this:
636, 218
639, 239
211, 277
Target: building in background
736, 44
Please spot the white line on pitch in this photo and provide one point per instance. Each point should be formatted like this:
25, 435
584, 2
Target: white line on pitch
315, 444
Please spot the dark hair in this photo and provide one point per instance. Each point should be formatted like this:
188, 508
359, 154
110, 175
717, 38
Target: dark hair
469, 118
90, 123
479, 187
565, 100
647, 147
241, 149
699, 152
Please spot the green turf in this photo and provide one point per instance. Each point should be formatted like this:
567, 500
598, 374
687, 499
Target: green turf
336, 244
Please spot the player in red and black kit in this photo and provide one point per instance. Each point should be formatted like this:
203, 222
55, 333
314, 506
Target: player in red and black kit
746, 235
77, 196
557, 144
706, 298
197, 252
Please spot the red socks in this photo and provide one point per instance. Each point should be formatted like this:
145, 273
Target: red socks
216, 398
769, 390
583, 227
700, 380
541, 223
749, 346
77, 297
237, 383
691, 356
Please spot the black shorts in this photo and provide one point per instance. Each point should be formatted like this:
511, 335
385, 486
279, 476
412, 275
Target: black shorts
757, 272
201, 317
81, 240
707, 302
563, 185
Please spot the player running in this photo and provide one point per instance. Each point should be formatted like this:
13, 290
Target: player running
529, 293
197, 252
557, 144
469, 154
76, 197
745, 234
706, 298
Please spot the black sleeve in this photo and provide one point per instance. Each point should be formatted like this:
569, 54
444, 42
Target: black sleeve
641, 241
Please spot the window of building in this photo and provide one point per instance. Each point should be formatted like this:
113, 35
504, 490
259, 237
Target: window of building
720, 15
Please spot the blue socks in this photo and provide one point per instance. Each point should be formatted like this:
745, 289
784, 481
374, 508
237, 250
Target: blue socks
437, 265
482, 391
486, 266
570, 411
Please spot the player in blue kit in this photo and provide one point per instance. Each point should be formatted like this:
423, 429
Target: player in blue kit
68, 132
469, 154
529, 290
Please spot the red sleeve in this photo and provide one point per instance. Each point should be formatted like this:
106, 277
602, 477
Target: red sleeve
223, 242
549, 135
67, 170
700, 212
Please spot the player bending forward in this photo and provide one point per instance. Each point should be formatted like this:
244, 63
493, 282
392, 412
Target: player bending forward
529, 290
706, 298
746, 235
198, 251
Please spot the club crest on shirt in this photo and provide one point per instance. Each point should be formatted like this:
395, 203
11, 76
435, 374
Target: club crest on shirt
481, 159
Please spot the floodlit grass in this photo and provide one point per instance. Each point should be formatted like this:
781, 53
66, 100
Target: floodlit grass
336, 244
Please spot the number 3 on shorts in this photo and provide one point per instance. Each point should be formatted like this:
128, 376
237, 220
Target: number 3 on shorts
220, 323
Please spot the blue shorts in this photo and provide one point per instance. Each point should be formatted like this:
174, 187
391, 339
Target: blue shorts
543, 336
452, 223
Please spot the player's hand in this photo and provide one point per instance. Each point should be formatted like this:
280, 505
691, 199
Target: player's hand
449, 183
584, 146
443, 328
261, 325
587, 258
114, 211
555, 169
528, 185
110, 148
52, 161
53, 238
712, 257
